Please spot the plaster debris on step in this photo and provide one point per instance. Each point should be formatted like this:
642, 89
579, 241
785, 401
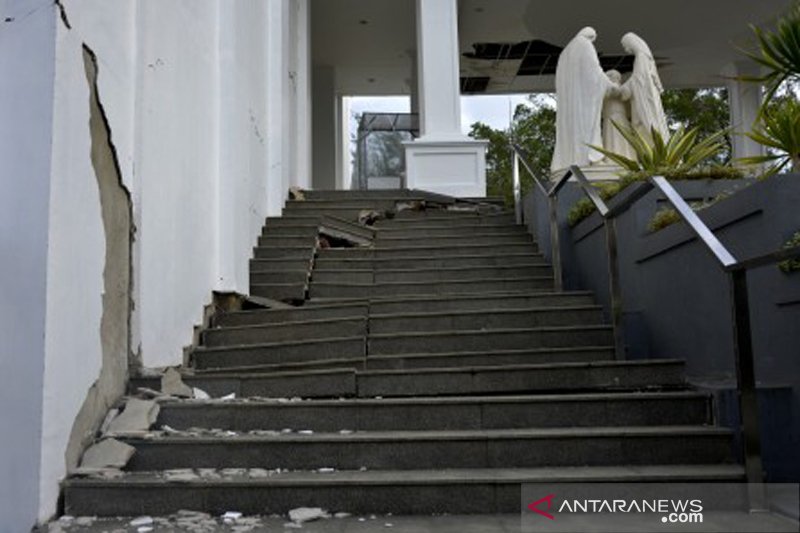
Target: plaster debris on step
111, 415
326, 470
172, 384
307, 514
228, 397
136, 418
342, 515
107, 454
200, 394
296, 193
180, 475
141, 521
414, 205
230, 517
369, 217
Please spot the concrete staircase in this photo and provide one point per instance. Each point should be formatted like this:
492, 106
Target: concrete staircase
438, 371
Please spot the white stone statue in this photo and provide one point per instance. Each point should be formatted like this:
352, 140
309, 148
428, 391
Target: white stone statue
617, 110
645, 89
581, 87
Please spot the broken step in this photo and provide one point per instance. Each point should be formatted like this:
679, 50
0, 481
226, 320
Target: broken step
354, 326
444, 413
453, 491
439, 449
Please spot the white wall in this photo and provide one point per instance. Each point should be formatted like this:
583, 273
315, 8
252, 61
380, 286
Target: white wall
27, 46
189, 89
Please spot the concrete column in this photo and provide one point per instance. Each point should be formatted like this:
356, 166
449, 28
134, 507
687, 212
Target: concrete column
324, 129
300, 75
343, 171
277, 86
745, 101
443, 159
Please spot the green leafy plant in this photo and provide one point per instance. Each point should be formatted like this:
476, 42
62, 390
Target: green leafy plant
779, 131
683, 151
791, 265
778, 52
666, 216
584, 207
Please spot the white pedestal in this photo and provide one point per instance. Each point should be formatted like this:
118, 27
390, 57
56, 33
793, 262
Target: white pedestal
454, 168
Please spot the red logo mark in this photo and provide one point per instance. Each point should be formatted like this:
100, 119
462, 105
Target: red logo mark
549, 499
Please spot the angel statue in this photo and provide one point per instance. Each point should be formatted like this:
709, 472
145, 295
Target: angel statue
581, 88
645, 88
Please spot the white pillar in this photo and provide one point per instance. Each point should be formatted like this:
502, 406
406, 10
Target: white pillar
745, 101
277, 74
301, 76
343, 170
443, 159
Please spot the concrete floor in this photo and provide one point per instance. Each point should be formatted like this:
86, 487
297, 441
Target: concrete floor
722, 522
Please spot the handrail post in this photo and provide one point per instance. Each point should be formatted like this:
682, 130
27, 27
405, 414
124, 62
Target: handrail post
555, 243
747, 392
517, 186
615, 287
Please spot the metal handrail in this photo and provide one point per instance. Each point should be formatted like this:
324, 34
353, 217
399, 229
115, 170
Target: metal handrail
735, 269
551, 193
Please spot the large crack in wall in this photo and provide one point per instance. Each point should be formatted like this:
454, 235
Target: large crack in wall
117, 215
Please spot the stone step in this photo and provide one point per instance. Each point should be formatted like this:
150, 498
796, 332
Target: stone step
331, 262
298, 230
284, 252
287, 331
448, 221
469, 212
486, 320
443, 287
279, 291
439, 449
496, 339
279, 352
384, 203
295, 314
478, 302
476, 239
478, 380
432, 274
400, 232
602, 375
454, 251
306, 220
490, 358
270, 265
295, 276
272, 240
422, 492
444, 413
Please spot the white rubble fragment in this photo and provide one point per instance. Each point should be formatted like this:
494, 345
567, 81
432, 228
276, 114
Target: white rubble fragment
180, 474
85, 521
388, 524
137, 417
108, 453
144, 529
200, 394
342, 515
258, 473
306, 432
228, 397
111, 415
292, 525
170, 430
326, 470
345, 431
307, 514
172, 384
66, 519
141, 521
286, 430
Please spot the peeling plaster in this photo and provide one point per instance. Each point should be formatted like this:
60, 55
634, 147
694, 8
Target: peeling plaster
117, 215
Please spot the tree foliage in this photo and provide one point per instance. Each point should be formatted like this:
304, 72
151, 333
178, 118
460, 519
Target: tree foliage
534, 128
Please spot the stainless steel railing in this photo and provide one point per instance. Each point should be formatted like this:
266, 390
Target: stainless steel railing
735, 269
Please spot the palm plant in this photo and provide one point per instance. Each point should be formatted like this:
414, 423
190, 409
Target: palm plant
682, 152
778, 52
779, 131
